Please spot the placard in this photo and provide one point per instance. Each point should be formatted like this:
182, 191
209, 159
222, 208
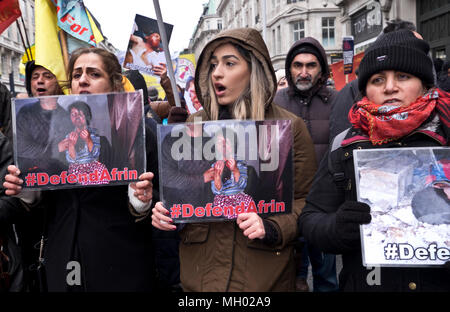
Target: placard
408, 191
79, 140
213, 171
145, 48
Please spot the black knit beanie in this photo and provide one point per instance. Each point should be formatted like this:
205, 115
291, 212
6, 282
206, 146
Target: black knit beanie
398, 50
307, 48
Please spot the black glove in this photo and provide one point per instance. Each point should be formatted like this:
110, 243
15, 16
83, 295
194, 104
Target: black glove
349, 216
177, 114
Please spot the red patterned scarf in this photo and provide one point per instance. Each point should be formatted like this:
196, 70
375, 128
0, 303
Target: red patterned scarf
385, 123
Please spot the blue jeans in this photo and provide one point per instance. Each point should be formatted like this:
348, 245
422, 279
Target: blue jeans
323, 268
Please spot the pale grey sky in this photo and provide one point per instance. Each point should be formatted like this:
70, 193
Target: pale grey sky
116, 18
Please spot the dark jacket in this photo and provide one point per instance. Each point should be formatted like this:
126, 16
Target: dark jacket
318, 219
94, 227
340, 107
5, 111
16, 240
217, 256
314, 105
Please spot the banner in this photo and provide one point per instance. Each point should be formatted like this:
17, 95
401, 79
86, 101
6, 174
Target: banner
76, 21
337, 70
216, 170
48, 48
145, 49
408, 191
185, 68
84, 140
9, 12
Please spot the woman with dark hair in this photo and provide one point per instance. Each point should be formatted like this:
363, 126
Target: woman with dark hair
400, 108
235, 79
83, 146
93, 242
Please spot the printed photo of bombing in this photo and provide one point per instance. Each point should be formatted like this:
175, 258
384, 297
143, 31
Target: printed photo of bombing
79, 140
408, 191
213, 171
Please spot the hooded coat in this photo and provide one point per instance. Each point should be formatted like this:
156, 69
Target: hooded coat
313, 105
217, 256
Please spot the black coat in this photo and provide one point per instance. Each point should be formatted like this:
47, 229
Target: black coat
315, 112
313, 105
341, 105
5, 111
94, 227
318, 224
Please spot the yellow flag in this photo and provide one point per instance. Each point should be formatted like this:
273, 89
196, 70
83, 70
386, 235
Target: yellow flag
31, 53
97, 34
48, 48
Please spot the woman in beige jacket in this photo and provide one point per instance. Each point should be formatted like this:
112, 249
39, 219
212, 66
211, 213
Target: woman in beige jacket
235, 80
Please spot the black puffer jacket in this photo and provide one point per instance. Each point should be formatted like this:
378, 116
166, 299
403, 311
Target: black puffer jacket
5, 111
317, 223
314, 105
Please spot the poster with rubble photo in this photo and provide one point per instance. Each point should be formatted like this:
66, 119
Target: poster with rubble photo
75, 141
408, 191
213, 171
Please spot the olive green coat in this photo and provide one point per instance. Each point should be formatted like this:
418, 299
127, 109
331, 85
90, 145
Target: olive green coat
217, 256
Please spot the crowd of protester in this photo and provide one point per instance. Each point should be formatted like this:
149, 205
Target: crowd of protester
123, 237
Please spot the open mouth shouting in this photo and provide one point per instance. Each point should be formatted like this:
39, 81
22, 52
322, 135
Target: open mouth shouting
41, 91
220, 89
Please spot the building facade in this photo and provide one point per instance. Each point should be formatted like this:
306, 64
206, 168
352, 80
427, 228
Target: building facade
207, 27
365, 19
12, 49
286, 22
433, 23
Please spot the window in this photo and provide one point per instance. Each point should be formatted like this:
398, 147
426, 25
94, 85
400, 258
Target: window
24, 9
328, 31
299, 30
293, 1
279, 40
219, 24
274, 42
18, 34
4, 69
15, 64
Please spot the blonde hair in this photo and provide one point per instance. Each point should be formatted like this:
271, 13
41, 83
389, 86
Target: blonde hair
251, 103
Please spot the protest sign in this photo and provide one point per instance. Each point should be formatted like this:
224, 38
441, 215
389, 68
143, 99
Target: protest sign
408, 191
145, 49
79, 140
216, 170
347, 48
339, 77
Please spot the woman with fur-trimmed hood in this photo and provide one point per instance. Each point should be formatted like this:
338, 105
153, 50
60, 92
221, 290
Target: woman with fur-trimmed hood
235, 79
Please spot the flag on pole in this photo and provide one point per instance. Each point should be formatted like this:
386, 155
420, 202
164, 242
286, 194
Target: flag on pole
97, 33
31, 52
54, 16
48, 49
9, 12
74, 19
